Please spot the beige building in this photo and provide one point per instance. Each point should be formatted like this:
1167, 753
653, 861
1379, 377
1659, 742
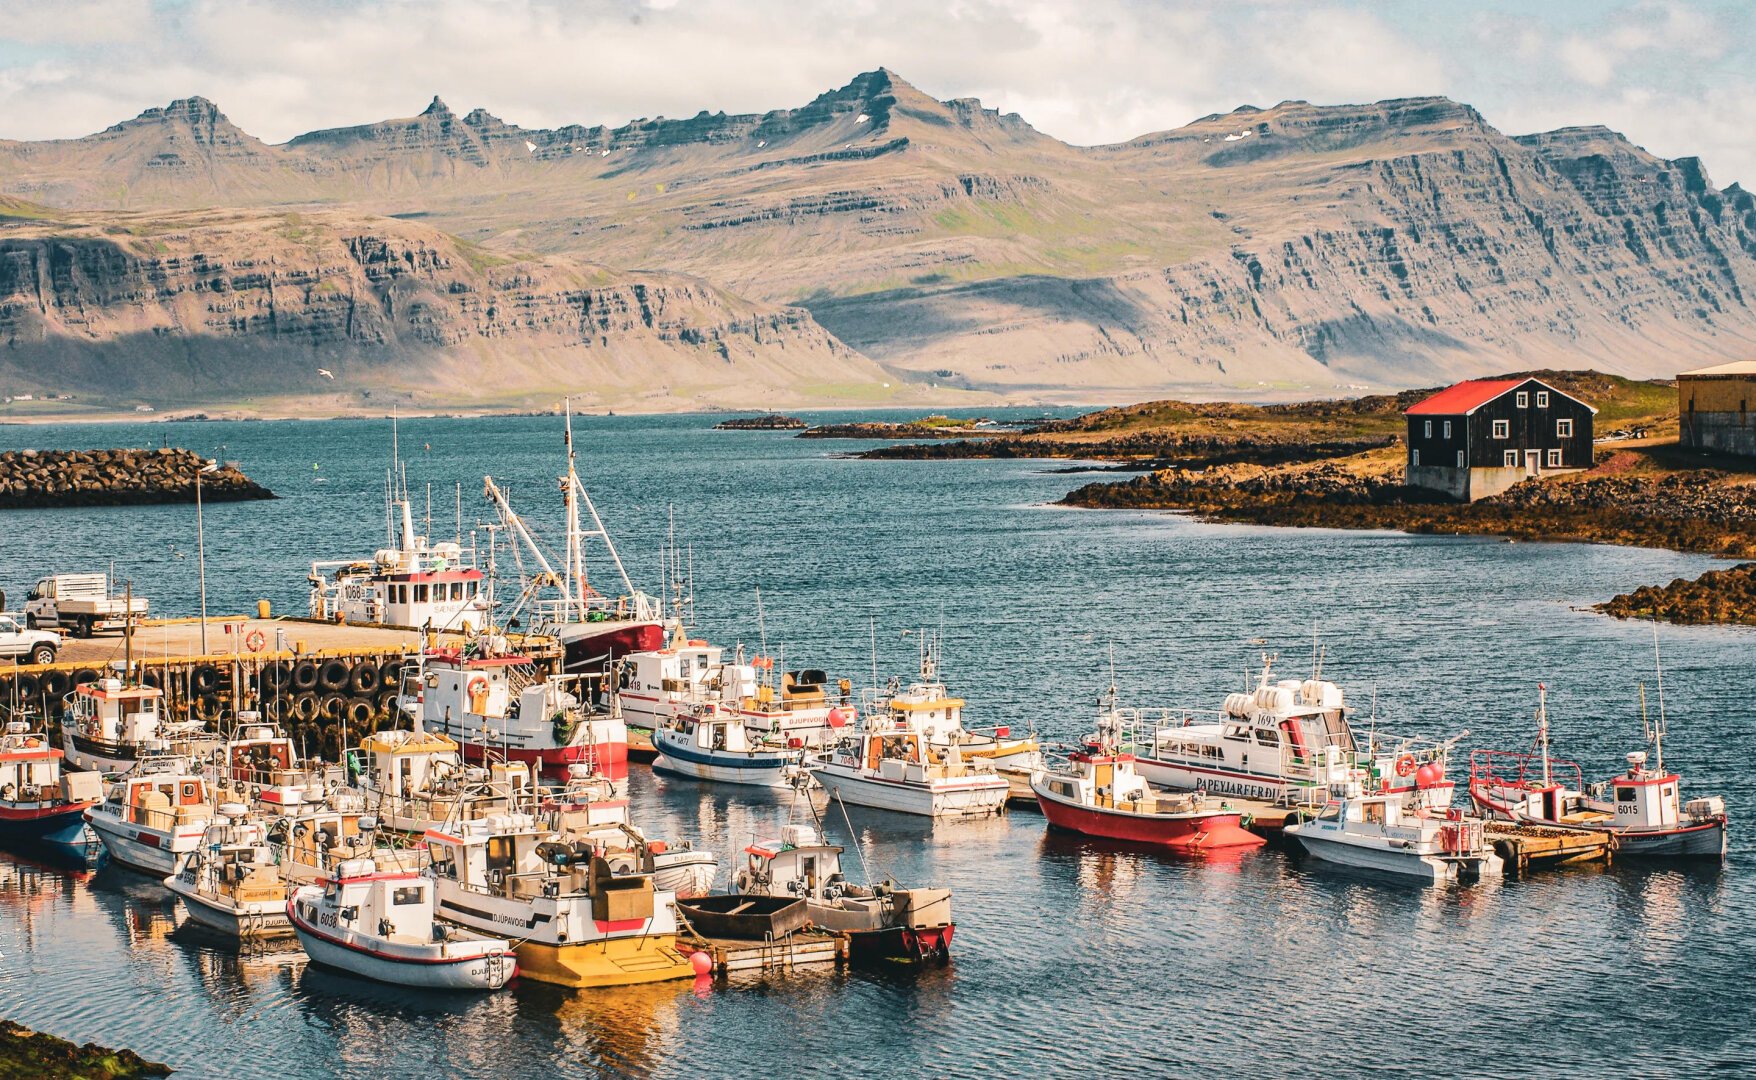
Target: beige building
1714, 408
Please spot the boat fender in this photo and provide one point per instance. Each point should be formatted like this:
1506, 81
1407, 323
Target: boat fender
8, 792
1247, 820
743, 881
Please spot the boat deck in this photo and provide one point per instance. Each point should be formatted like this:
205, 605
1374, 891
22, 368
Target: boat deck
1533, 847
798, 949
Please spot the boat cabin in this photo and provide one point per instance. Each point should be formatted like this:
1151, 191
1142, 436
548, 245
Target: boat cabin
30, 768
397, 906
1290, 728
510, 856
710, 728
161, 801
798, 863
405, 763
1646, 798
414, 586
113, 715
690, 670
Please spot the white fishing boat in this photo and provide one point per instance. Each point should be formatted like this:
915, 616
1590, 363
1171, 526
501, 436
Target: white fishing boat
712, 743
495, 702
1382, 832
1643, 807
108, 727
153, 816
891, 766
258, 766
381, 925
881, 920
592, 809
664, 685
232, 881
417, 780
594, 629
588, 912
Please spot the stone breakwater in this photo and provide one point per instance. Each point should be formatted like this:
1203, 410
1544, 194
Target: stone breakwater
44, 478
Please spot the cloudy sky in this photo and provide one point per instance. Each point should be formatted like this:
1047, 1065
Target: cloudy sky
1678, 78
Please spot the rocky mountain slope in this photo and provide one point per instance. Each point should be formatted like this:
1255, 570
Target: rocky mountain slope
351, 312
1293, 250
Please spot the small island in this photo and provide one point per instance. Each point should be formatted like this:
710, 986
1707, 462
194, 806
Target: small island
56, 478
927, 427
767, 422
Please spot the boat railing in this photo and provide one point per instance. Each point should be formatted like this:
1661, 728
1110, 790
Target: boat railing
1518, 768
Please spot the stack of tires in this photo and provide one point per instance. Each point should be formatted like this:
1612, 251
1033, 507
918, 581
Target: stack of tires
330, 701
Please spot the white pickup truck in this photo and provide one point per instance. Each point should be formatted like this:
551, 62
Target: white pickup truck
27, 646
80, 603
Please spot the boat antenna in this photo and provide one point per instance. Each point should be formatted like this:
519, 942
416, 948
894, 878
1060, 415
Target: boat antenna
761, 622
873, 626
1658, 733
460, 513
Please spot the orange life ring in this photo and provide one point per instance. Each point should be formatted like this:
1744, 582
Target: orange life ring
1405, 765
255, 641
478, 686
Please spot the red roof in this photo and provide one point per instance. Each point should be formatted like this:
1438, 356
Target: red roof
1465, 397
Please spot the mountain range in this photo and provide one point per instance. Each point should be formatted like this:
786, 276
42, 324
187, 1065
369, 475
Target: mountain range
874, 245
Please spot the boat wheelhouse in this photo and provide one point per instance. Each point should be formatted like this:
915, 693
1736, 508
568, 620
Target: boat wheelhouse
108, 727
153, 816
494, 703
882, 920
258, 767
590, 808
40, 806
382, 925
1382, 832
417, 780
894, 768
587, 910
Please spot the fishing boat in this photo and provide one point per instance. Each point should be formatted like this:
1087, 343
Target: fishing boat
153, 816
594, 630
417, 780
588, 912
663, 685
495, 702
881, 920
889, 764
590, 808
712, 743
108, 727
1642, 807
232, 881
1102, 795
1381, 832
257, 765
743, 917
381, 925
40, 806
926, 704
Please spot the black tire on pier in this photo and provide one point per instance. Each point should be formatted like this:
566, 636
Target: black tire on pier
333, 676
334, 707
363, 679
387, 709
360, 714
305, 676
55, 684
306, 708
273, 708
204, 679
27, 687
153, 677
85, 676
207, 707
43, 654
275, 676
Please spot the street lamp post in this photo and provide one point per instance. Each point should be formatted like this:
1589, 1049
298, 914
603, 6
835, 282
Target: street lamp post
201, 549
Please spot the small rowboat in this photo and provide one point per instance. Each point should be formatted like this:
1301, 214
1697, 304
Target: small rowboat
743, 917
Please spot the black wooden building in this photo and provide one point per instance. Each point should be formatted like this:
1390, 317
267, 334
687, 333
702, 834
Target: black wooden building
1480, 437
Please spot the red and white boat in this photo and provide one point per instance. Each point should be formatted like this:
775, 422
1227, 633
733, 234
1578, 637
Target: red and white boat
594, 629
493, 702
40, 806
1103, 796
664, 687
1642, 807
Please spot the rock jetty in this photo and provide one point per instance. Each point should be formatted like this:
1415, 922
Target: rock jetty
1717, 597
27, 1053
43, 478
770, 422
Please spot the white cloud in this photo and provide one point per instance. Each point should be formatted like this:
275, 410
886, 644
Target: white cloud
1589, 63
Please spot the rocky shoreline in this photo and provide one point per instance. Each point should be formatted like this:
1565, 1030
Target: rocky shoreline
927, 427
58, 478
1146, 451
770, 422
1722, 597
32, 1055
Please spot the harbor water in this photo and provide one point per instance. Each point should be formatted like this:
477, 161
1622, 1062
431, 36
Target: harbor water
1071, 956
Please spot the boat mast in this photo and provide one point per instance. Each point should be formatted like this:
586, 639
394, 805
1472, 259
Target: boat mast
1658, 732
1543, 727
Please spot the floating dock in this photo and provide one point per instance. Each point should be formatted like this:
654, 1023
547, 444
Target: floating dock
1524, 848
797, 949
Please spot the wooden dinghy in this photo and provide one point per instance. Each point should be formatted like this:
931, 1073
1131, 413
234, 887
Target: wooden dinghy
744, 917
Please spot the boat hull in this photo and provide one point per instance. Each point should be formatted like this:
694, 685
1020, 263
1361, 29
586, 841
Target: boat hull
592, 647
754, 770
624, 961
1702, 840
257, 920
148, 851
686, 873
1183, 832
607, 759
59, 827
901, 943
483, 971
950, 800
760, 917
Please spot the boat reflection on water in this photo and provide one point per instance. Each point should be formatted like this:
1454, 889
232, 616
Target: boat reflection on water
623, 1030
143, 908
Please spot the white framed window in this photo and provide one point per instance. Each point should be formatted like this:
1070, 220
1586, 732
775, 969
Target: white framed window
1502, 429
1448, 429
1429, 433
1509, 459
1460, 459
1564, 429
1542, 399
1524, 399
1415, 458
1554, 459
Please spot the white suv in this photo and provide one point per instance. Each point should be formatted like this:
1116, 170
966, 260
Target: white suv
27, 646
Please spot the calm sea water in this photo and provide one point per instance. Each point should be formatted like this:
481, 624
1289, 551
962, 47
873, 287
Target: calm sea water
1070, 957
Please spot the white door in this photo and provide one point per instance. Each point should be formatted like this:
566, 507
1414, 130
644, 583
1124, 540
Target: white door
1533, 460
